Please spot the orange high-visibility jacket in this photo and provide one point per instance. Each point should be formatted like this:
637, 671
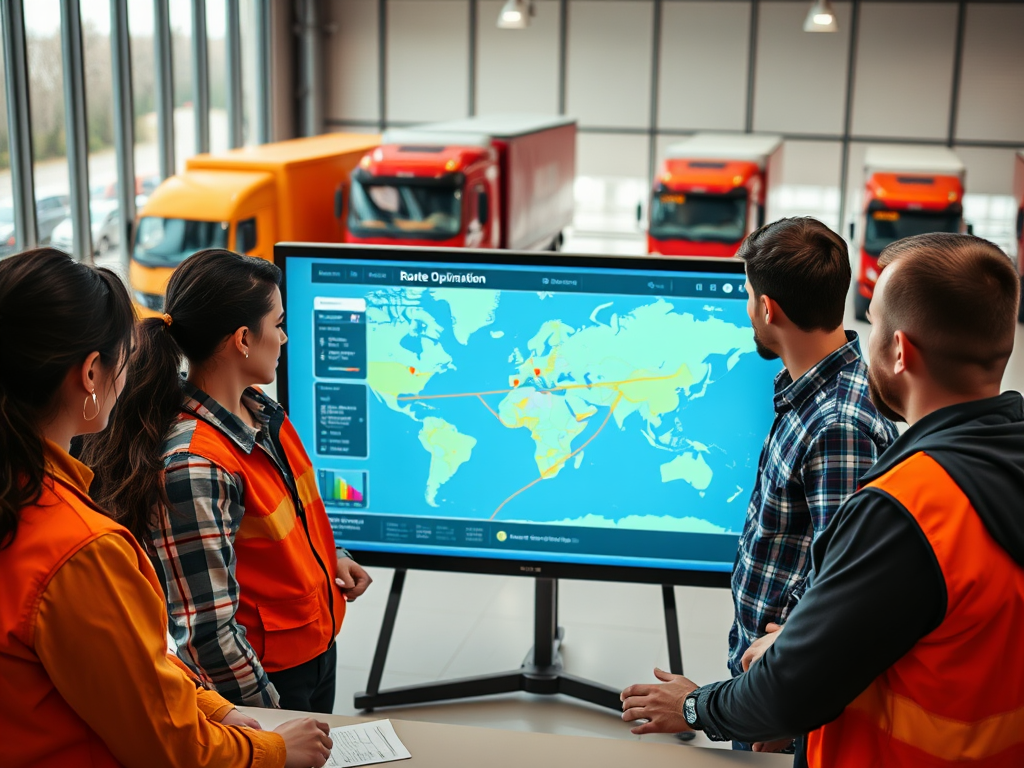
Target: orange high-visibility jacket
949, 701
85, 678
286, 559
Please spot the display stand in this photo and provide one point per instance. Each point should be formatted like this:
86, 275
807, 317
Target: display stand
542, 672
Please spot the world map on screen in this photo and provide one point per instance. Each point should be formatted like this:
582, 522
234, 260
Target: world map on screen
575, 409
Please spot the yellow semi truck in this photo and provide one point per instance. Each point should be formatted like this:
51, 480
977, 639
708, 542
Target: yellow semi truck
244, 200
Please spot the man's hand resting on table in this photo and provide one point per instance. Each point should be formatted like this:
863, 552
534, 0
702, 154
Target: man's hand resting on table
352, 579
306, 742
759, 646
661, 705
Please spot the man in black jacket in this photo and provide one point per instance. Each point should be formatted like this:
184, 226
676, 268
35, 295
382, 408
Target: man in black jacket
944, 316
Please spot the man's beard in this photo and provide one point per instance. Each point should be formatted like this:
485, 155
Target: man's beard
882, 396
762, 350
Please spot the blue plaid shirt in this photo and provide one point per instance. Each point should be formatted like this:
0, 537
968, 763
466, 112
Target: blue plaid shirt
825, 436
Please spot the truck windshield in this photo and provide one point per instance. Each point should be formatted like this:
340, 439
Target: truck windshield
168, 242
885, 227
699, 218
401, 208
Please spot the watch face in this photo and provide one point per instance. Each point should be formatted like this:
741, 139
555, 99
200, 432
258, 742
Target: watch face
690, 710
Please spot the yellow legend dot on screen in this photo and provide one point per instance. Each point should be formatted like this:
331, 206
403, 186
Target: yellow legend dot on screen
502, 535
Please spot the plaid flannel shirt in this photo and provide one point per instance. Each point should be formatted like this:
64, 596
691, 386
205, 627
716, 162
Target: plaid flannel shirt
825, 436
195, 557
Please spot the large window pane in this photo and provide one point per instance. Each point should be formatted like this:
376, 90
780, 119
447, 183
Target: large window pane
46, 95
8, 239
184, 104
147, 158
250, 72
104, 209
216, 24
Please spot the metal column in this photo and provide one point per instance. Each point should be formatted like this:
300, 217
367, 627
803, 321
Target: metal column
312, 109
200, 77
19, 125
124, 122
236, 115
76, 127
264, 73
164, 87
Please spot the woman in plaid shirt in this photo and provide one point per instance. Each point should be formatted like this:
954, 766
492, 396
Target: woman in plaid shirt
211, 474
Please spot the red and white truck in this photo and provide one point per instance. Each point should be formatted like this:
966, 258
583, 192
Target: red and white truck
1018, 197
711, 191
485, 182
907, 191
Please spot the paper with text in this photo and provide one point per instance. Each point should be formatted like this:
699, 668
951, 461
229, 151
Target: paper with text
366, 744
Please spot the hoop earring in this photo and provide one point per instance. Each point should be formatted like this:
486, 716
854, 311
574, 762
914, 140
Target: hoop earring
95, 405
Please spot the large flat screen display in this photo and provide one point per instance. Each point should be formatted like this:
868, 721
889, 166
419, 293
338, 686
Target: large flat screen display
521, 413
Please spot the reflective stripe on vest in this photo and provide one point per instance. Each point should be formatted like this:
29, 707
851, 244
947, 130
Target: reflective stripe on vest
288, 602
957, 697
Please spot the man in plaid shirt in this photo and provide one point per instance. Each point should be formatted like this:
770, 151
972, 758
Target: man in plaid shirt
826, 432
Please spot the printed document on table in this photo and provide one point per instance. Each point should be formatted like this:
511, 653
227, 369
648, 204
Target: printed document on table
366, 744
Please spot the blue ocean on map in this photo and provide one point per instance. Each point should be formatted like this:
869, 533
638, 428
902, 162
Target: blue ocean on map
618, 477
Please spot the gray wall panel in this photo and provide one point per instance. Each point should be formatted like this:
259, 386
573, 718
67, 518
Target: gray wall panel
991, 100
609, 66
801, 77
904, 75
703, 72
428, 60
352, 75
517, 70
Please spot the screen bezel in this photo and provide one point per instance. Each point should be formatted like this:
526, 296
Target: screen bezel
496, 566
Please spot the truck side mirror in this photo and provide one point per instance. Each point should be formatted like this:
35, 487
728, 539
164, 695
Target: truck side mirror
483, 207
339, 201
245, 236
639, 213
970, 228
852, 228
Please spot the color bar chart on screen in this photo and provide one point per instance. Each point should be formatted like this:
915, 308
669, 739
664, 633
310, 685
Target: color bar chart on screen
340, 488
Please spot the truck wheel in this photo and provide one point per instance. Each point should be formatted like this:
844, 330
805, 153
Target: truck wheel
860, 306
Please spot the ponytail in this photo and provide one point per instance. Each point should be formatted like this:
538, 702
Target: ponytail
126, 457
209, 296
54, 313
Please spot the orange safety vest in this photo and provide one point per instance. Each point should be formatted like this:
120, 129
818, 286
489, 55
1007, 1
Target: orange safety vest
50, 532
285, 566
957, 697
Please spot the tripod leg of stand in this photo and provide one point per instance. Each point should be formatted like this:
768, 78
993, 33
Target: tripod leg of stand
386, 629
675, 645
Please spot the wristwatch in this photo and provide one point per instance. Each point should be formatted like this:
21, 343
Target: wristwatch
690, 710
342, 552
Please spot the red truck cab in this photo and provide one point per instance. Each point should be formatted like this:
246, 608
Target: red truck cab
711, 192
908, 191
486, 182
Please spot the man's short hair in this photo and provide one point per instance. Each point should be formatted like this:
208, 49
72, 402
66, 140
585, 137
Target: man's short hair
804, 267
956, 298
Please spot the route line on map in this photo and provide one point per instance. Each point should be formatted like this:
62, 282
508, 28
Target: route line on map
561, 388
561, 462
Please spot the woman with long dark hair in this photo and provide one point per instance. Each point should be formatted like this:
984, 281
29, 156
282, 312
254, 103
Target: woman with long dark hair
212, 474
85, 677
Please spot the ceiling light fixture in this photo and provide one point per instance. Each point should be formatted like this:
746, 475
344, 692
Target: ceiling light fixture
515, 14
821, 17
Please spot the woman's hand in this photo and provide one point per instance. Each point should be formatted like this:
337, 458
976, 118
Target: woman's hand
352, 579
234, 717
